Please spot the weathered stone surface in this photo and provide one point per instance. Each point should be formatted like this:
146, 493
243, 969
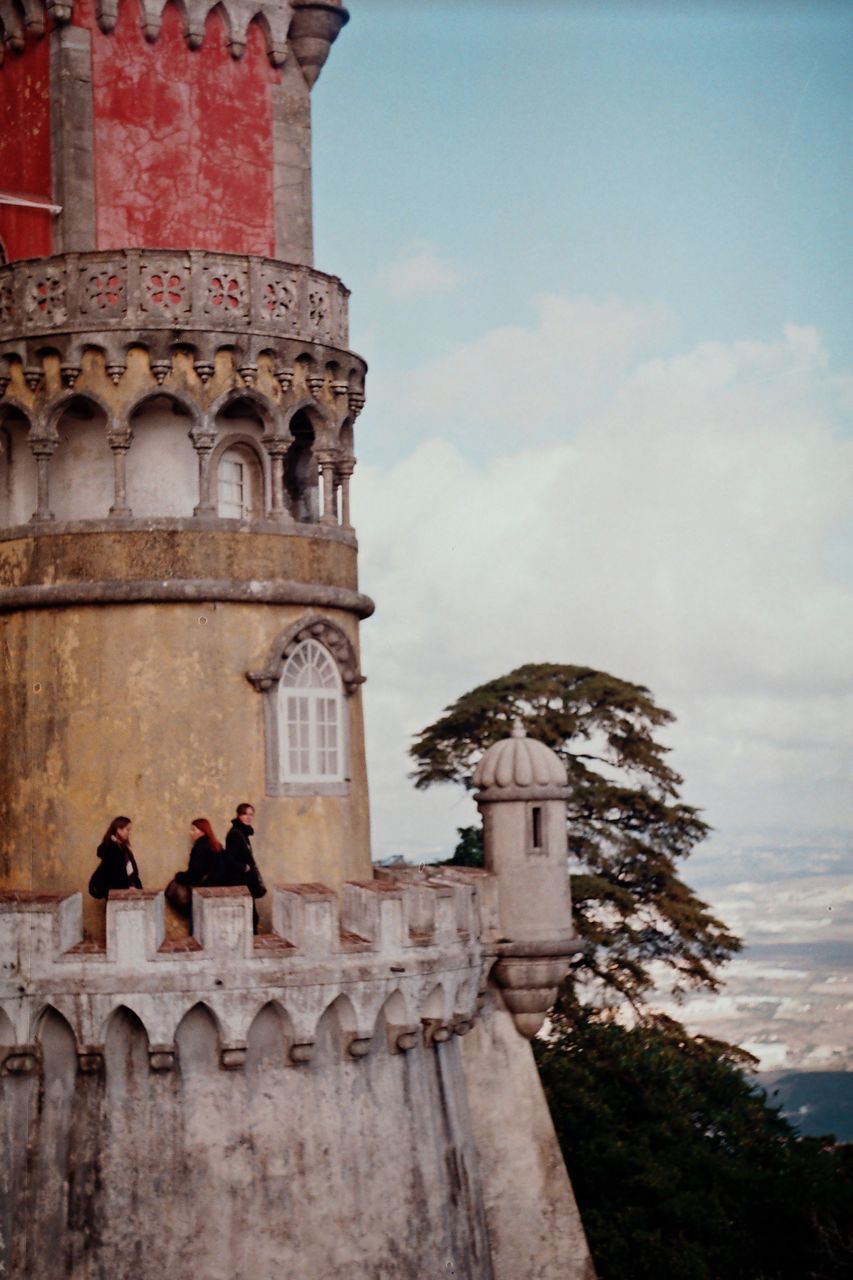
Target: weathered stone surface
534, 1227
146, 709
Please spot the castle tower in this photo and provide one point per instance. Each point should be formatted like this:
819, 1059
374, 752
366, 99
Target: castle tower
179, 602
350, 1092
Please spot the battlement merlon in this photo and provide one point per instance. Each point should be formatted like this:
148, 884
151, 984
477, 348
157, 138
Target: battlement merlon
309, 27
430, 936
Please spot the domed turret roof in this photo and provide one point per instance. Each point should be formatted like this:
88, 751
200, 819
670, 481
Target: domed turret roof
519, 762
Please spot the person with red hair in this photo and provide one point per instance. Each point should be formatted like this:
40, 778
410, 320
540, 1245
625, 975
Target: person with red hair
206, 868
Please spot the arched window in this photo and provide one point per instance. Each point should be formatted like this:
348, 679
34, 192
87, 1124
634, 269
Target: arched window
240, 485
311, 717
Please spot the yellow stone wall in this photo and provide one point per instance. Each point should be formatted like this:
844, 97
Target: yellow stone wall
145, 710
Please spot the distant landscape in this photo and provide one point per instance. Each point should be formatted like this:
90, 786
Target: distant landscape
788, 997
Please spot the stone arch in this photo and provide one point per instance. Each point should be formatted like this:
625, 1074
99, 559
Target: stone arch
197, 1041
54, 1034
346, 437
301, 472
161, 464
435, 1005
82, 473
269, 1039
319, 419
185, 403
18, 468
265, 411
396, 1026
126, 1047
336, 1027
56, 408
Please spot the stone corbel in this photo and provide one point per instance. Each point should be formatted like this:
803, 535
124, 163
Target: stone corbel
356, 402
59, 11
151, 22
161, 1057
21, 1060
34, 17
106, 12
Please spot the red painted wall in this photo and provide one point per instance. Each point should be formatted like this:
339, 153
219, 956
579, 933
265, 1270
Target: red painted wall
25, 147
183, 137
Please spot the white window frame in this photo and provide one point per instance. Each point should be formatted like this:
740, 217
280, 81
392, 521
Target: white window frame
251, 476
303, 707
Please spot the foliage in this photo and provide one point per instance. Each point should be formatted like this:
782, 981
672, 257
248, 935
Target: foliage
627, 828
679, 1166
469, 848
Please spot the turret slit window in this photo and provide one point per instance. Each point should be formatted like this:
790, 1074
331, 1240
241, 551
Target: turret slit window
311, 717
536, 824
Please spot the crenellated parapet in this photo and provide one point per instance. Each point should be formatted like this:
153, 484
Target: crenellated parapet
309, 27
416, 955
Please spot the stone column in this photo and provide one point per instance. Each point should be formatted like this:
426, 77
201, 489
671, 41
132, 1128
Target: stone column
43, 448
343, 472
277, 447
204, 439
326, 463
119, 442
72, 136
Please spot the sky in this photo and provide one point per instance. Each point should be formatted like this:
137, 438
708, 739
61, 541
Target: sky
600, 256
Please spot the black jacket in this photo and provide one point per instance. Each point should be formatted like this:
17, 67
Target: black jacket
206, 865
238, 853
115, 857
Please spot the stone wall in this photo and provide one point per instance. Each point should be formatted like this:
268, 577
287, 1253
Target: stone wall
146, 709
303, 1104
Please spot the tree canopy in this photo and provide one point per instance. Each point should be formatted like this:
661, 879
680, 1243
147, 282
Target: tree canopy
679, 1165
628, 831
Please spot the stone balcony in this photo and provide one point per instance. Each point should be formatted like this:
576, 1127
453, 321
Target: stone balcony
118, 298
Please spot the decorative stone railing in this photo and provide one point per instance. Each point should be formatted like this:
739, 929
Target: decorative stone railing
140, 290
416, 953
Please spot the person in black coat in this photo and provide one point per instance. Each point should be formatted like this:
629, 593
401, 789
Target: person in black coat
119, 865
239, 862
207, 858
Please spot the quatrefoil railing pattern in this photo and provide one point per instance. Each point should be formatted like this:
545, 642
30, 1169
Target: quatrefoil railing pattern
139, 289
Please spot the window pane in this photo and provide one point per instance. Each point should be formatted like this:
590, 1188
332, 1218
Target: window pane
311, 716
231, 489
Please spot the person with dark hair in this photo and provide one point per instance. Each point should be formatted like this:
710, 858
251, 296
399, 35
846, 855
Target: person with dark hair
206, 868
118, 865
239, 862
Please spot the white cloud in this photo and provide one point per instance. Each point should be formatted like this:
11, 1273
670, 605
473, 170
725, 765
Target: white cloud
679, 534
518, 381
419, 271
